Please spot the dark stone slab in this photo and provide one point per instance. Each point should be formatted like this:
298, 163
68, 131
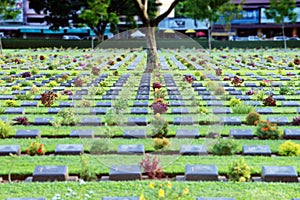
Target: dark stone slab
75, 97
15, 111
175, 97
279, 97
187, 133
235, 92
7, 97
139, 111
90, 121
69, 149
5, 150
183, 121
177, 103
243, 97
142, 97
201, 173
140, 104
98, 111
250, 84
193, 150
43, 121
279, 120
66, 104
264, 110
50, 173
82, 92
125, 172
109, 97
104, 104
37, 98
139, 133
204, 93
82, 133
262, 150
180, 111
16, 92
221, 110
241, 133
28, 133
289, 103
131, 148
252, 103
4, 119
214, 103
291, 134
231, 120
54, 110
209, 98
137, 121
29, 104
214, 198
200, 89
120, 198
279, 174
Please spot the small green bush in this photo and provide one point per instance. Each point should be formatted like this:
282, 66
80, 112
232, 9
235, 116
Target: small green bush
234, 101
10, 103
224, 147
160, 143
239, 171
253, 117
267, 130
289, 148
242, 108
36, 148
5, 128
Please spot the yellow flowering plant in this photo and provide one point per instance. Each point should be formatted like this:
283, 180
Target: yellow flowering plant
164, 190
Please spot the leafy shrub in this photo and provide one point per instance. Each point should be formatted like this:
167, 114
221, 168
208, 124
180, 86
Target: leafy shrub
160, 126
267, 130
78, 82
15, 87
68, 116
296, 121
111, 117
284, 90
219, 71
212, 135
237, 82
26, 84
160, 143
159, 107
86, 173
26, 74
270, 101
10, 103
224, 147
289, 148
239, 171
234, 101
260, 95
220, 91
48, 98
85, 103
21, 121
36, 148
252, 118
34, 90
242, 108
120, 105
151, 167
5, 128
95, 71
211, 85
53, 84
35, 71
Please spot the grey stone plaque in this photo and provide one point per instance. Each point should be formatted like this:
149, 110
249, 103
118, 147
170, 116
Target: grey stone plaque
5, 150
231, 120
82, 133
28, 133
241, 133
279, 120
262, 150
193, 150
137, 121
125, 172
15, 111
187, 133
291, 134
183, 121
201, 173
131, 148
90, 121
69, 149
279, 174
139, 133
43, 121
50, 173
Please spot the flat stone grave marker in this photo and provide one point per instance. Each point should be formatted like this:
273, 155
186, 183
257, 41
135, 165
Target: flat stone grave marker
250, 84
112, 92
197, 85
125, 172
16, 92
173, 92
177, 103
25, 198
241, 133
137, 121
140, 104
276, 84
193, 150
43, 121
187, 133
5, 150
109, 97
180, 111
289, 103
104, 104
214, 103
15, 111
183, 121
69, 149
279, 97
75, 97
131, 148
279, 174
82, 92
55, 89
175, 97
28, 133
204, 93
120, 198
200, 89
228, 89
82, 133
264, 110
139, 111
252, 103
201, 173
214, 198
261, 150
231, 120
54, 110
139, 133
235, 92
90, 121
291, 134
37, 98
221, 110
29, 104
98, 111
66, 104
243, 97
50, 173
4, 119
209, 97
142, 97
7, 97
279, 120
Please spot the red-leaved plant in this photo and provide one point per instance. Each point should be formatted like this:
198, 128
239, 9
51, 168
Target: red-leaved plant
21, 121
48, 98
151, 167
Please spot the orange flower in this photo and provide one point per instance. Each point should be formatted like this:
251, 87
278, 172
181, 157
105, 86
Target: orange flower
264, 129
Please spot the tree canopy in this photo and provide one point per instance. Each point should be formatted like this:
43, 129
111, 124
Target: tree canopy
7, 9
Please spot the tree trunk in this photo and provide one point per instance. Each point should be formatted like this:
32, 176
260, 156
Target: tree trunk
283, 34
209, 35
0, 46
152, 55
